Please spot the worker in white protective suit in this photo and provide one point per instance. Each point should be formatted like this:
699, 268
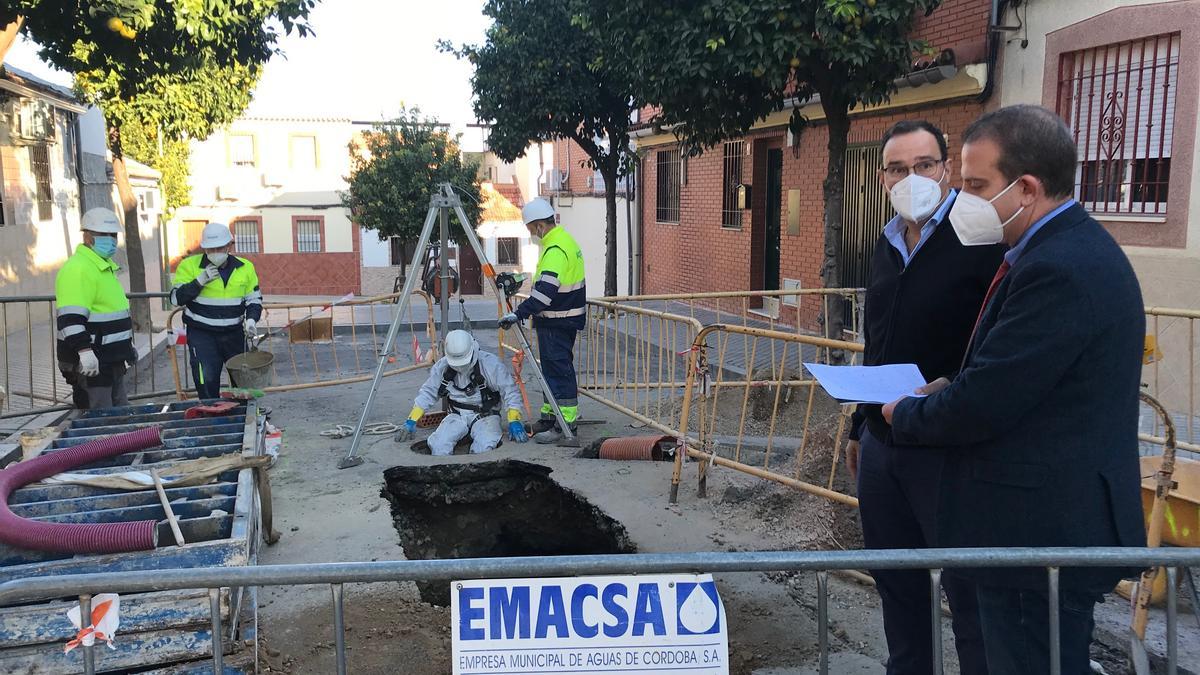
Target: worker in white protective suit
477, 385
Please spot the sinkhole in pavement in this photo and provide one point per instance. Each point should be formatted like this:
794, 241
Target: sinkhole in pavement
493, 509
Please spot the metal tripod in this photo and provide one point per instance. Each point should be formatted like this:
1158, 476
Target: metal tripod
440, 204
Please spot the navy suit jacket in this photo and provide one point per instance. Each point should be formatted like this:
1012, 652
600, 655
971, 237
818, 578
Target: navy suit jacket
1041, 424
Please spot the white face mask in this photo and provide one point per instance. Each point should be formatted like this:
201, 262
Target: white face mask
915, 198
975, 220
217, 259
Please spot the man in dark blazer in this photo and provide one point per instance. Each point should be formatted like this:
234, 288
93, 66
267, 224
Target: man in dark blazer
1040, 426
922, 298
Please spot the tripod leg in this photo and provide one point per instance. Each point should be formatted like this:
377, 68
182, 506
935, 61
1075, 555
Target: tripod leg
490, 273
352, 458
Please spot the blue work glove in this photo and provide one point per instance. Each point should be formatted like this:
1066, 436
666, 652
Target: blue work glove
516, 431
407, 431
508, 320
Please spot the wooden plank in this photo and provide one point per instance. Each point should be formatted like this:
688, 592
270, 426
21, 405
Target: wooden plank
159, 456
132, 651
119, 500
142, 409
221, 553
195, 530
200, 427
200, 508
50, 493
213, 528
153, 418
229, 438
140, 612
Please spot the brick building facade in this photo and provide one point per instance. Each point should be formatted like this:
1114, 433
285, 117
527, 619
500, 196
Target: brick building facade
697, 244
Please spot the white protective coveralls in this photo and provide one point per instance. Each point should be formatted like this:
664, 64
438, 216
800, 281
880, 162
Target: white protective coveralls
484, 428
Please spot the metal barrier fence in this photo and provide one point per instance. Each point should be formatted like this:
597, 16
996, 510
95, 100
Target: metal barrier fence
317, 344
1170, 375
637, 353
30, 377
801, 310
336, 575
764, 371
635, 360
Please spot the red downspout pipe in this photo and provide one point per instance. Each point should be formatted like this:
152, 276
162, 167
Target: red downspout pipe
76, 537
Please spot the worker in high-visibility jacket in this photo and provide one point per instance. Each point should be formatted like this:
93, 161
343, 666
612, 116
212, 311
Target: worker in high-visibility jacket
95, 329
222, 305
558, 304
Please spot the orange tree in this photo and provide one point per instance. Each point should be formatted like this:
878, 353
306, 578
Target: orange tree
182, 68
718, 66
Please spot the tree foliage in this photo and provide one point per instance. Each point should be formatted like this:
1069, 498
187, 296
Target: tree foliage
398, 166
181, 67
142, 142
540, 77
716, 67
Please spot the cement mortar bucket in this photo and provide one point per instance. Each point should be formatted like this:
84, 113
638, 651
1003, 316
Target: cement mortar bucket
251, 370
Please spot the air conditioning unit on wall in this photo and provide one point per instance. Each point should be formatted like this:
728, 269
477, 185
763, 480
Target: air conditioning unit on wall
31, 121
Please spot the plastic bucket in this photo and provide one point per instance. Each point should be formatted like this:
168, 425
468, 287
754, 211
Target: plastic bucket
251, 370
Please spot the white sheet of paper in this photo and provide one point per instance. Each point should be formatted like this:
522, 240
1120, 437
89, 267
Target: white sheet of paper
868, 384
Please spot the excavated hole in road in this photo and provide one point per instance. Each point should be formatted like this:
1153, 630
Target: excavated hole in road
493, 509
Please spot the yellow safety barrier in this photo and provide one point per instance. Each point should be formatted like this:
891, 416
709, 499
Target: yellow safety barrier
337, 344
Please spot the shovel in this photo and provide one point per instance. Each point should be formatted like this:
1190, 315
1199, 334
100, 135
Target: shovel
1163, 484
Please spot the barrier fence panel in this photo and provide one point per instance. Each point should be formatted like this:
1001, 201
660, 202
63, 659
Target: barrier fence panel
1169, 375
324, 344
752, 406
629, 358
30, 378
336, 575
800, 310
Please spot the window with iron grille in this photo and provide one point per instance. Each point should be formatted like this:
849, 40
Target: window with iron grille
308, 236
1119, 101
508, 251
731, 178
667, 199
242, 151
39, 160
245, 236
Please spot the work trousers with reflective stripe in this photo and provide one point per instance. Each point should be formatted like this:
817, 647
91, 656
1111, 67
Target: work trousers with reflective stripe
556, 355
210, 350
104, 390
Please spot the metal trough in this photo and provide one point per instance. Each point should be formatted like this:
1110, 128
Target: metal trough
218, 520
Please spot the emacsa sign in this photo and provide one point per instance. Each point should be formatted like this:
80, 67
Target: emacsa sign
658, 622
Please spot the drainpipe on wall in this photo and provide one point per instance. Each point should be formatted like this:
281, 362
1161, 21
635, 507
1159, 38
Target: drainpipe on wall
78, 150
629, 227
637, 252
993, 49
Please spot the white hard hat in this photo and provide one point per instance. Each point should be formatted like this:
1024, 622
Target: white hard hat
215, 235
101, 221
460, 348
538, 209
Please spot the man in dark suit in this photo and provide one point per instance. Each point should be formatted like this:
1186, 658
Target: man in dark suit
922, 299
1040, 426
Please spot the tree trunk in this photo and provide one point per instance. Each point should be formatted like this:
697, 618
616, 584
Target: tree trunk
609, 171
9, 35
838, 120
139, 308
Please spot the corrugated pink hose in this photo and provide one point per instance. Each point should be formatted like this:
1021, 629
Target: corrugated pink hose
74, 537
